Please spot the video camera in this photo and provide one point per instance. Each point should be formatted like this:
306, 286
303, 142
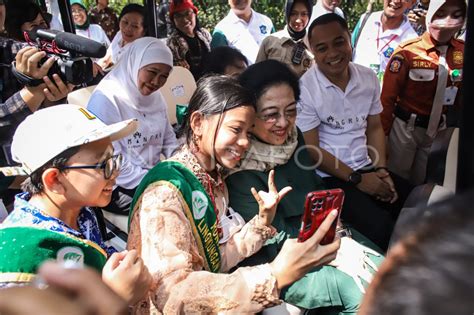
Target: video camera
74, 64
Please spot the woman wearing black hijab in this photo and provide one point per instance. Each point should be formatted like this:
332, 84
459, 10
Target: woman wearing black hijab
287, 45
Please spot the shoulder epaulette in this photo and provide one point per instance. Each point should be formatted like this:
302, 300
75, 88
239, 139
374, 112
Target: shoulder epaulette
409, 42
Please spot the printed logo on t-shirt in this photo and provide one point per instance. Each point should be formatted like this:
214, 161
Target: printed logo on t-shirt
342, 123
263, 29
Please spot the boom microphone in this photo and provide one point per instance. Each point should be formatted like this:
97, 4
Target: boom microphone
72, 42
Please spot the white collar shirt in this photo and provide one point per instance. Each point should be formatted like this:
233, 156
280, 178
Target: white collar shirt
244, 36
340, 116
375, 46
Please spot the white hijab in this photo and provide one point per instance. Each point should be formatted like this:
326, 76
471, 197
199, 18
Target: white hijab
120, 85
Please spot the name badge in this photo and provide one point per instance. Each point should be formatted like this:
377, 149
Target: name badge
450, 95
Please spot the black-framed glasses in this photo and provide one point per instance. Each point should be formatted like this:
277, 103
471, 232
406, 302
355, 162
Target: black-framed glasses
110, 165
274, 117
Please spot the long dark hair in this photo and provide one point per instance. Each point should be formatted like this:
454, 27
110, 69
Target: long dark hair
215, 95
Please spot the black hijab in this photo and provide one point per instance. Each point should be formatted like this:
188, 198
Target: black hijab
288, 7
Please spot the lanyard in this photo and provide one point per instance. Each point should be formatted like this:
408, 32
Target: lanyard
386, 44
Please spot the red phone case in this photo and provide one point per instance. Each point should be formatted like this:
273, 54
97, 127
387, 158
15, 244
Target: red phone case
317, 207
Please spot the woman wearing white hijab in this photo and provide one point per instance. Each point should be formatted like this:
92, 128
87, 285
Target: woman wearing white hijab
130, 90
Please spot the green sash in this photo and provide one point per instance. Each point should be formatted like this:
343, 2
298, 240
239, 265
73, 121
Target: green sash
24, 249
196, 204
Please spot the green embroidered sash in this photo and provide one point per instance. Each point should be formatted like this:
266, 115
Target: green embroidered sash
196, 204
24, 249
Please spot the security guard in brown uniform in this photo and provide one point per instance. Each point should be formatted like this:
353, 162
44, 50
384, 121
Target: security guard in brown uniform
422, 78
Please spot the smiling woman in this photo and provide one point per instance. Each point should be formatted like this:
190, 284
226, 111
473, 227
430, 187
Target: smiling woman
83, 26
287, 45
131, 90
189, 42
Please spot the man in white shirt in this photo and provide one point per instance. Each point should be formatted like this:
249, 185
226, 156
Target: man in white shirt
326, 6
339, 115
375, 40
242, 28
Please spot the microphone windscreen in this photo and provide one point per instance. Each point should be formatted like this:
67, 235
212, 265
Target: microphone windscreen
72, 42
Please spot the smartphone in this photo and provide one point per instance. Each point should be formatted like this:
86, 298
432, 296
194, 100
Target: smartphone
317, 207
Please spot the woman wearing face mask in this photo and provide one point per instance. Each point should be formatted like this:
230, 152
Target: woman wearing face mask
288, 45
189, 42
187, 235
432, 63
130, 90
276, 143
133, 25
83, 26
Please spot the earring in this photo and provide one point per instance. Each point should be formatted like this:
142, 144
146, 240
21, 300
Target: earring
194, 144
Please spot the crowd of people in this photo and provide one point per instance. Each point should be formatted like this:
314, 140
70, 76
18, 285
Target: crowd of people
214, 204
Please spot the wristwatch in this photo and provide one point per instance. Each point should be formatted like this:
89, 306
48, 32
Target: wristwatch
355, 178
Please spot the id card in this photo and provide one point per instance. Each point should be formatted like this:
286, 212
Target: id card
450, 95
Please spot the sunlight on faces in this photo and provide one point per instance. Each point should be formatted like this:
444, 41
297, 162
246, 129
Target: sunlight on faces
232, 139
152, 77
38, 22
332, 50
396, 8
331, 5
185, 21
88, 187
131, 27
276, 114
79, 15
447, 21
299, 17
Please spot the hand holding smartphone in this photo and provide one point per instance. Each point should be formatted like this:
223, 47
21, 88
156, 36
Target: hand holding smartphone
317, 207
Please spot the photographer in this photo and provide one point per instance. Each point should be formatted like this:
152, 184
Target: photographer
23, 103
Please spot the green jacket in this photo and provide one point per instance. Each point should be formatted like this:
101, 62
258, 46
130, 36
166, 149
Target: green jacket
325, 286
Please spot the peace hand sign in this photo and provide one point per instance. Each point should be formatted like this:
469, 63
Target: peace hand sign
268, 201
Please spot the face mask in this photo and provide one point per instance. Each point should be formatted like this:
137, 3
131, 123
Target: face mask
442, 30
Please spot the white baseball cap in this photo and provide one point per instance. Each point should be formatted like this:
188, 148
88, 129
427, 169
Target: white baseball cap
51, 131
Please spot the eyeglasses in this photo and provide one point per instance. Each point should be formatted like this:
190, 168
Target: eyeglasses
274, 117
109, 166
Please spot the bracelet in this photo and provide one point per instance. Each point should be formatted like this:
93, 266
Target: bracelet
381, 168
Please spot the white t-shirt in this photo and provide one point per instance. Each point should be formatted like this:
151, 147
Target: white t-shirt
375, 46
341, 117
142, 149
94, 32
319, 9
244, 36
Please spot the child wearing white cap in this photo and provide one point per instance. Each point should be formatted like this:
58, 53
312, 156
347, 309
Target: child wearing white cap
68, 156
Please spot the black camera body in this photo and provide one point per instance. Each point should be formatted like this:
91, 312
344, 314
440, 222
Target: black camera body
73, 54
77, 70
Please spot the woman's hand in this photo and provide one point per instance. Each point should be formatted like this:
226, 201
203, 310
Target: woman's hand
27, 62
296, 259
352, 259
126, 274
268, 201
